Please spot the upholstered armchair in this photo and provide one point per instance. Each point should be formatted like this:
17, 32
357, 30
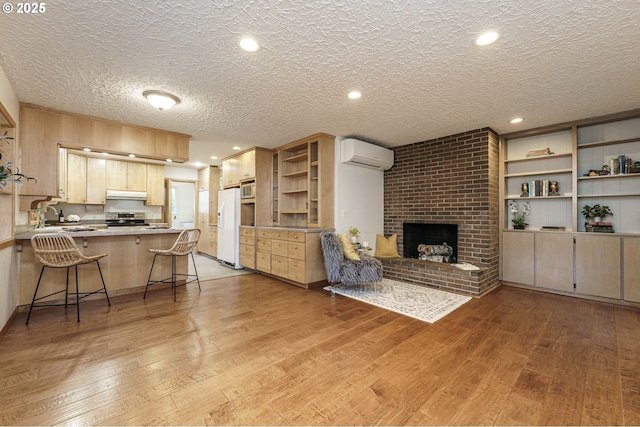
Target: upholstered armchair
347, 271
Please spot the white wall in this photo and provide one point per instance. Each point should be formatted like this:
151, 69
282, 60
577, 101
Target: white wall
359, 199
8, 256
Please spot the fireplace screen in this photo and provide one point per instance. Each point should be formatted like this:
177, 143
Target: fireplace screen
436, 235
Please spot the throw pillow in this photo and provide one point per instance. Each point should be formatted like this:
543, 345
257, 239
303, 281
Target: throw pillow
347, 248
387, 248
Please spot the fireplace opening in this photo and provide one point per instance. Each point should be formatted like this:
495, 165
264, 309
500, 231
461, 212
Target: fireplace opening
434, 235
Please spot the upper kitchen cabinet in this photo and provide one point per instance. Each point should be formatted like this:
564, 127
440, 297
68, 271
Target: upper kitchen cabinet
155, 185
305, 193
241, 167
43, 131
128, 176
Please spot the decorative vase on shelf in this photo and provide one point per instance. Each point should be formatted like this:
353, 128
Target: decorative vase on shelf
597, 219
518, 227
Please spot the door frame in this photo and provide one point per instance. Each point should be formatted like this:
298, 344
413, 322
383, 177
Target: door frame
166, 214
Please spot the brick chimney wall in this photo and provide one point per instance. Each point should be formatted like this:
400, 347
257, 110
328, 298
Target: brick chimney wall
450, 180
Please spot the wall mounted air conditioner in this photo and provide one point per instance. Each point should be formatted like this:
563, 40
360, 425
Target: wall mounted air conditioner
360, 153
126, 195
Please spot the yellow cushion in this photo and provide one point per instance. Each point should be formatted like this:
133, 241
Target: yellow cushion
347, 248
387, 248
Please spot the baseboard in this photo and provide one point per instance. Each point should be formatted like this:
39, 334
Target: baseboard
10, 320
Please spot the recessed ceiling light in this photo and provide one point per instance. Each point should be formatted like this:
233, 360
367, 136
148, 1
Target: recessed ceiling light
237, 148
487, 38
354, 94
197, 164
249, 44
169, 160
104, 153
86, 149
132, 155
516, 120
160, 100
214, 157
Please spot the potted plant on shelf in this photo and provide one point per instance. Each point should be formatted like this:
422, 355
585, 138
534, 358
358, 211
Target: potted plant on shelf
597, 212
6, 173
519, 215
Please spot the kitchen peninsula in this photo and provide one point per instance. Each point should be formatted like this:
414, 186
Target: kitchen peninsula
125, 269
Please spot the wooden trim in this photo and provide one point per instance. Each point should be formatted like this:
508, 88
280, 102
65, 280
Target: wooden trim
7, 243
83, 116
7, 116
7, 325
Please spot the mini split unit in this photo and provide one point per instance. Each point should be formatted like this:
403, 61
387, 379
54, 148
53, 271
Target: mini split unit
360, 153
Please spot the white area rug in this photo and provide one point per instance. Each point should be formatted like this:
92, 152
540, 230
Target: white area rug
419, 302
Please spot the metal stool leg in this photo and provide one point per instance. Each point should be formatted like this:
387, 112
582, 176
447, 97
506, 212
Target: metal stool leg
173, 276
104, 287
34, 295
66, 291
77, 295
196, 271
149, 279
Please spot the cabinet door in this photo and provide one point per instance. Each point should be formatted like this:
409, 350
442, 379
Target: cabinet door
116, 175
62, 174
631, 247
214, 185
597, 265
155, 185
96, 181
203, 178
518, 257
76, 179
231, 172
554, 261
213, 240
136, 176
248, 165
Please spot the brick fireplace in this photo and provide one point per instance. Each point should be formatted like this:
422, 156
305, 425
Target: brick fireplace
449, 180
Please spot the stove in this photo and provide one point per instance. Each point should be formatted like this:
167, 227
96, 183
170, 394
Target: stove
125, 219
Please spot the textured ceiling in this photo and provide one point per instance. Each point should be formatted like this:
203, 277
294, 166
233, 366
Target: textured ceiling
414, 61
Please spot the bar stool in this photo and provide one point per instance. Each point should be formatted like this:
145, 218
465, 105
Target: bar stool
184, 245
59, 250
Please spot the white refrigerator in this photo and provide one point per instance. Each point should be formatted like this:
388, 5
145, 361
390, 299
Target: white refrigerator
229, 227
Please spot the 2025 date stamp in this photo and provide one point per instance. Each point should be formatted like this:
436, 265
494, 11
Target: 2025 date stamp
32, 8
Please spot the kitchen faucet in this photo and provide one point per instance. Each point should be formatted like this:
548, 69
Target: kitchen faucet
42, 221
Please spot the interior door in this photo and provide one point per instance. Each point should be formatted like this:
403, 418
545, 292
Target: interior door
183, 206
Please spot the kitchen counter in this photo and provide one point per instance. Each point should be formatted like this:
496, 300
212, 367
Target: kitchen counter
125, 268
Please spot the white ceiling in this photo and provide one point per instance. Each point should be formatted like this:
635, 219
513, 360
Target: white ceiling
414, 61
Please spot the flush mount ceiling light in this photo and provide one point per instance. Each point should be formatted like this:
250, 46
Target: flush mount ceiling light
487, 38
161, 100
249, 44
354, 94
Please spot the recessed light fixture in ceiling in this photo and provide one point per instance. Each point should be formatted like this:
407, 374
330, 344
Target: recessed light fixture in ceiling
516, 120
354, 94
236, 148
214, 157
487, 38
160, 100
249, 44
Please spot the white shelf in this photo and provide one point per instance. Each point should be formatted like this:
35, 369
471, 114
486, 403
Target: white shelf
538, 173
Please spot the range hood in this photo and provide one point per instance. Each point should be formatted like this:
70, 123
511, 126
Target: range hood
126, 195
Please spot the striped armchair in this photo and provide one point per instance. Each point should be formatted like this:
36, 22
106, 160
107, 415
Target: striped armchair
347, 271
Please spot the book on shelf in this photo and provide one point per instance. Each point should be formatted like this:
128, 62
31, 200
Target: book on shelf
539, 152
602, 223
538, 188
598, 227
552, 228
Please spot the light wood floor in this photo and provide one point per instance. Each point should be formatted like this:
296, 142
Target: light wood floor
252, 350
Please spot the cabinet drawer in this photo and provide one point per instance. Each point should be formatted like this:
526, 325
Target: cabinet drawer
279, 265
264, 245
280, 247
296, 236
263, 262
247, 256
275, 234
296, 250
297, 270
249, 232
247, 240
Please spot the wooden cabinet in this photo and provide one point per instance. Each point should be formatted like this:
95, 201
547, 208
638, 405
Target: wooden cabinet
247, 167
62, 175
96, 181
155, 185
43, 131
631, 270
554, 261
208, 210
76, 179
305, 193
518, 261
231, 172
597, 265
247, 247
292, 255
128, 176
203, 178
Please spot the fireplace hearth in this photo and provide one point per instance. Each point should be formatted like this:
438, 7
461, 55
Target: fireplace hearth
416, 234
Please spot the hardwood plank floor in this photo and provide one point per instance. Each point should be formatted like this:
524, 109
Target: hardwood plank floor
253, 350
